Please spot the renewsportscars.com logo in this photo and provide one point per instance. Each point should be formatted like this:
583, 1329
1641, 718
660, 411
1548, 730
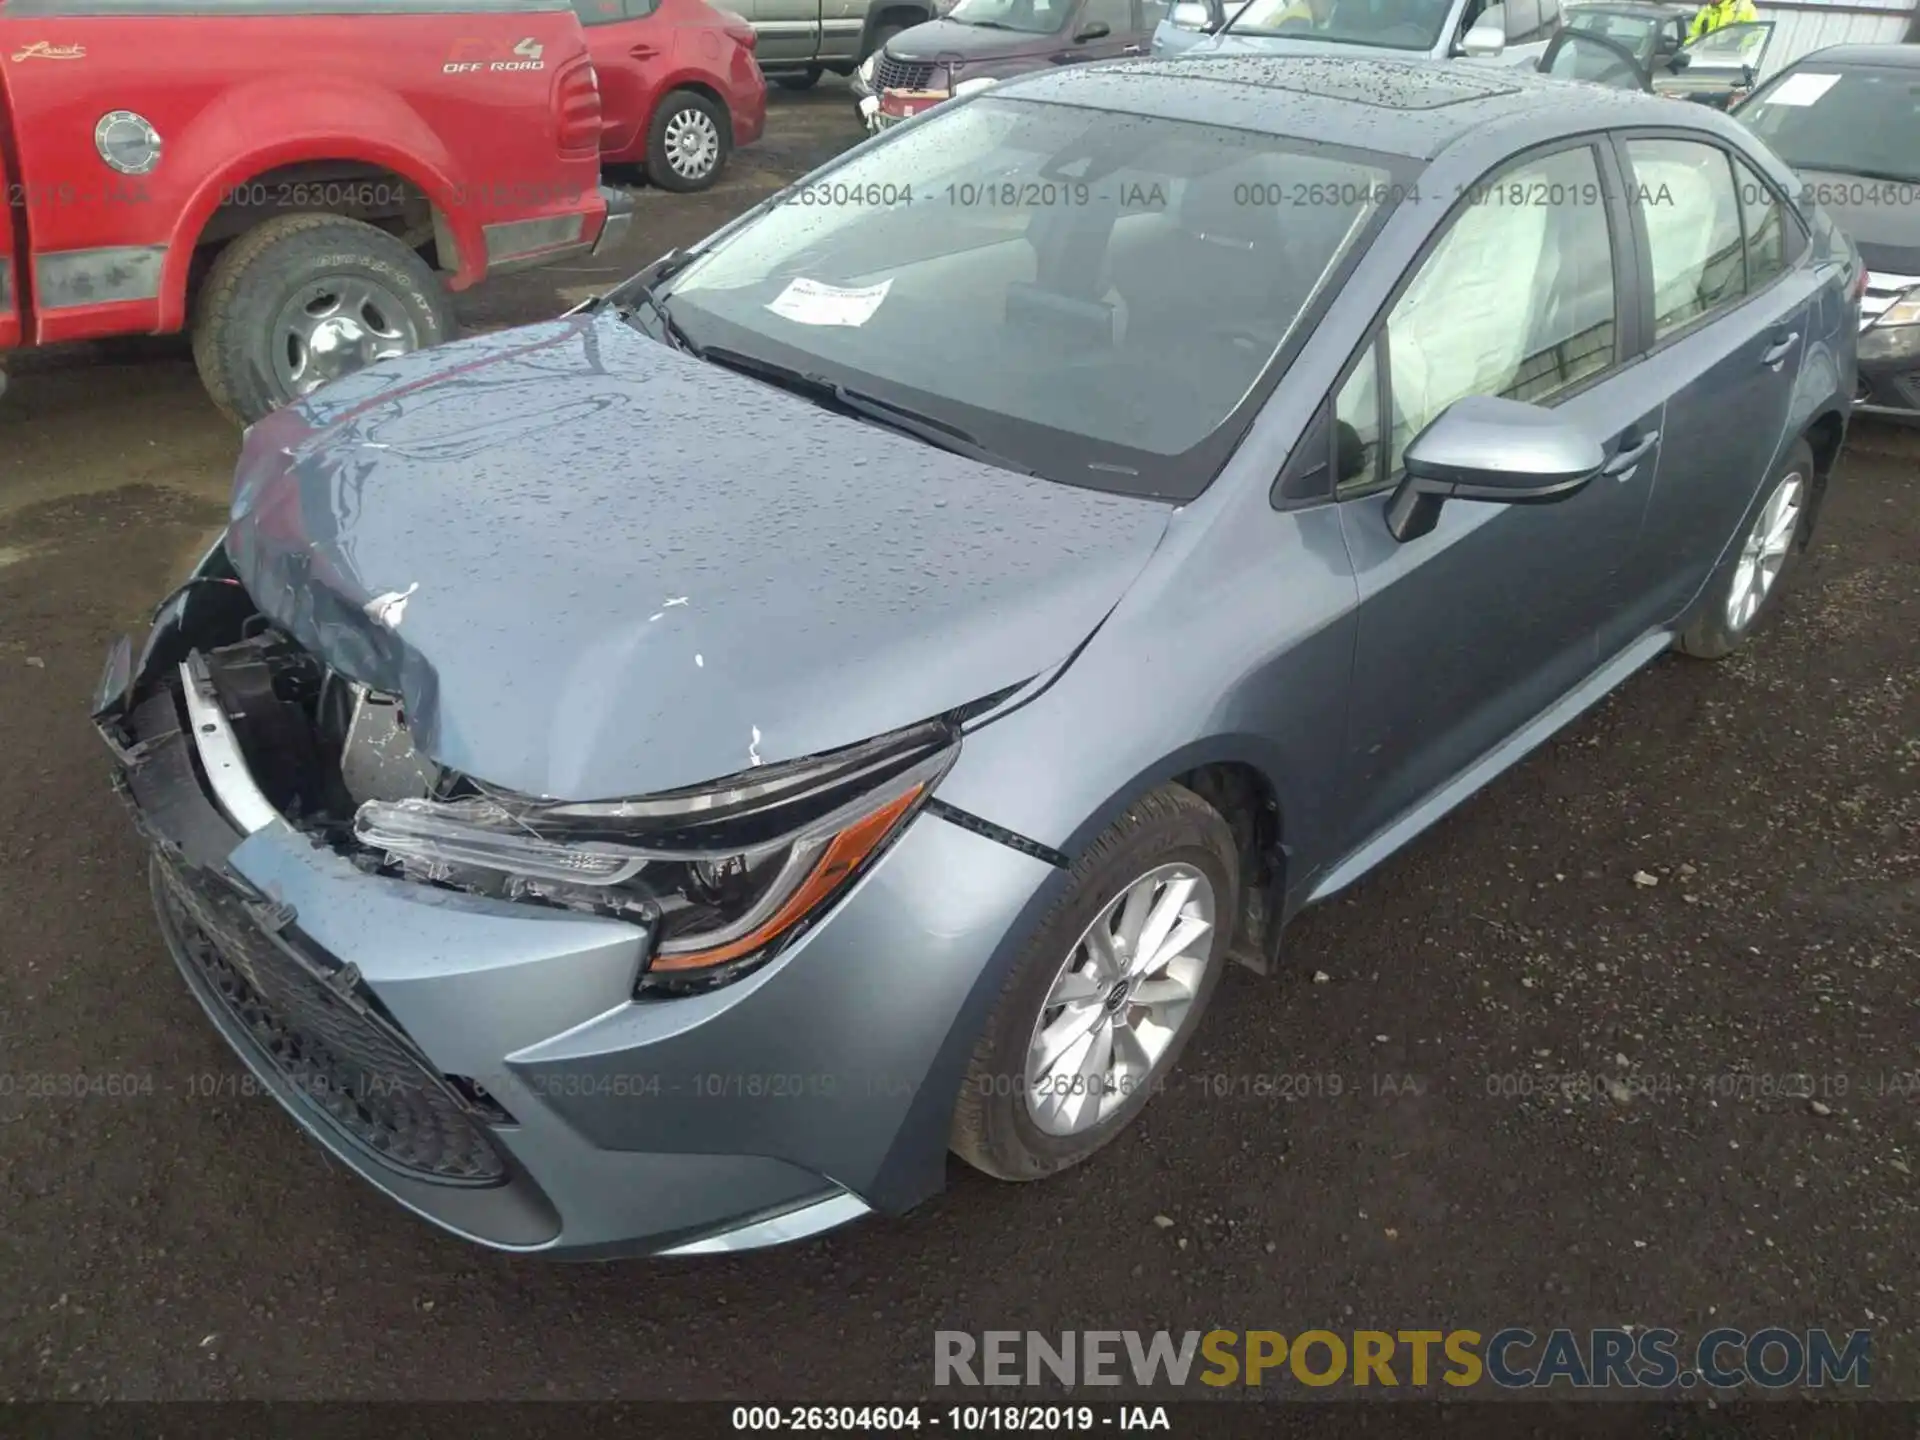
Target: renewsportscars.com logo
1620, 1357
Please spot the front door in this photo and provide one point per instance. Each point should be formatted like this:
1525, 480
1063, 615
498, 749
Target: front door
1117, 18
1582, 55
1729, 295
1467, 633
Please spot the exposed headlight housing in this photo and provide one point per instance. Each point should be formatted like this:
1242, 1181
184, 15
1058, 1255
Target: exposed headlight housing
1895, 331
1904, 311
723, 875
974, 87
868, 65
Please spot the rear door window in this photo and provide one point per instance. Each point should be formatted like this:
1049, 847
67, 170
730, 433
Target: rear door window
1685, 194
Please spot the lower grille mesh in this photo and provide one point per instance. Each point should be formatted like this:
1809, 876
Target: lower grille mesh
339, 1060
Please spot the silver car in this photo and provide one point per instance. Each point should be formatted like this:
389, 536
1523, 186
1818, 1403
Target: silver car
1508, 32
661, 779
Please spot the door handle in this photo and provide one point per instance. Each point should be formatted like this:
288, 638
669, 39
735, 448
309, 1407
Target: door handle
1776, 353
643, 51
1627, 459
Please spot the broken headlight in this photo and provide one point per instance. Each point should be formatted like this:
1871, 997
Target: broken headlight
722, 874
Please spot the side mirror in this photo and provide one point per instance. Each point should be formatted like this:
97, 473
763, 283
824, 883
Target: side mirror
1502, 452
1487, 37
1679, 60
1096, 30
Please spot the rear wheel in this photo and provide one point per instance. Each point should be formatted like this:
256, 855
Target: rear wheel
304, 299
1743, 591
687, 143
1107, 993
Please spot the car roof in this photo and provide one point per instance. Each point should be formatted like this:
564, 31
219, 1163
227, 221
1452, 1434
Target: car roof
1892, 56
1411, 106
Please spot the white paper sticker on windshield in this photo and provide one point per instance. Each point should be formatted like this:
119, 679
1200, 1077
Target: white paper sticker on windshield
1801, 89
809, 302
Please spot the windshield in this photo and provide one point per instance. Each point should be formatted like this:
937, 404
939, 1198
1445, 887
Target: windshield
1388, 24
1863, 122
1089, 295
1636, 32
1034, 17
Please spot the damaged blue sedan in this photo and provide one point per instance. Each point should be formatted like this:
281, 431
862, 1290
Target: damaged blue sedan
661, 780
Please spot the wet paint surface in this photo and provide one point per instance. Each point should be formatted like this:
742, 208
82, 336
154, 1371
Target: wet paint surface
592, 566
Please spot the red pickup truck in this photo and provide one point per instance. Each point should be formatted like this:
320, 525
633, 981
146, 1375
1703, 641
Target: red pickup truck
300, 182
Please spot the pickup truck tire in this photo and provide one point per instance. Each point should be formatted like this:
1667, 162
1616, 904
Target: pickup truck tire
688, 142
799, 79
351, 289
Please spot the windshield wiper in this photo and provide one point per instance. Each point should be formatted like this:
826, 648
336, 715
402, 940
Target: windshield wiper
834, 396
984, 24
670, 328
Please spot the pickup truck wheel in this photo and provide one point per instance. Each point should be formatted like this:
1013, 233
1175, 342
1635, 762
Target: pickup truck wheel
304, 299
799, 79
687, 143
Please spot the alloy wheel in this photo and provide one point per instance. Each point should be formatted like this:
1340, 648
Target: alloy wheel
1764, 551
1122, 997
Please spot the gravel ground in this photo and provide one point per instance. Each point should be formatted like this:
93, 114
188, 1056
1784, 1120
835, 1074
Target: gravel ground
1710, 884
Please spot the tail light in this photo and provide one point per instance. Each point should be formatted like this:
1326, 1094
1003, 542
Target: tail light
576, 105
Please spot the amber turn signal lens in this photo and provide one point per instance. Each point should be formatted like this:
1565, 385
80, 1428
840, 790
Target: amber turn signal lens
849, 850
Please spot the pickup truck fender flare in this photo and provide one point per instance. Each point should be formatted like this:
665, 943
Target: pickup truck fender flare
335, 119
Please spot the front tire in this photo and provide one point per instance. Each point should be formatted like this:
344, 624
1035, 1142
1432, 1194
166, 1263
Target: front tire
1106, 994
1745, 588
303, 299
687, 143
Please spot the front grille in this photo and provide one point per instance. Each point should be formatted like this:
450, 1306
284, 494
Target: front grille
892, 74
336, 1056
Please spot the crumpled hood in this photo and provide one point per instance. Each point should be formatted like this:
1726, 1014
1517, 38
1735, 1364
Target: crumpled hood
592, 566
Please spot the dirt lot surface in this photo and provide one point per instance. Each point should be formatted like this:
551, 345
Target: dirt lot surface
184, 1241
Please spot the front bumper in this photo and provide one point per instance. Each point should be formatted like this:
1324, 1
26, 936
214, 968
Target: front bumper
486, 1064
1888, 381
1889, 390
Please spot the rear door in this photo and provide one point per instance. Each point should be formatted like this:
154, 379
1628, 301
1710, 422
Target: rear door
1726, 311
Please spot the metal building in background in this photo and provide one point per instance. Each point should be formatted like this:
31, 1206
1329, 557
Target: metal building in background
1802, 26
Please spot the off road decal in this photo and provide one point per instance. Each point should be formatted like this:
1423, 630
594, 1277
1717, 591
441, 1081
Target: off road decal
471, 56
